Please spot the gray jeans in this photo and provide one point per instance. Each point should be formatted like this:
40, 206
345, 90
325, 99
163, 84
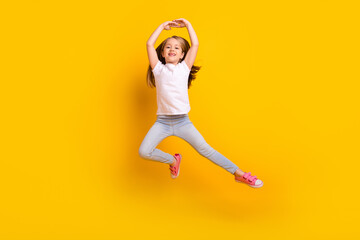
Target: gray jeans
180, 126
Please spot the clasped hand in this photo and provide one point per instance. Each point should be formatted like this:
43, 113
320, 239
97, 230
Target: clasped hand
178, 23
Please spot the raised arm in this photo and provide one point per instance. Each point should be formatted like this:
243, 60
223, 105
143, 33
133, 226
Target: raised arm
150, 44
191, 54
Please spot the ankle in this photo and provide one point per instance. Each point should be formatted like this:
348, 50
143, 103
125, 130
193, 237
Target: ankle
173, 163
239, 173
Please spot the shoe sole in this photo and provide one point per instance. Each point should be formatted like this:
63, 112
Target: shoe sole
253, 186
173, 176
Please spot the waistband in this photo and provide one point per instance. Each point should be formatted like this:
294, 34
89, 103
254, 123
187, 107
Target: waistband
172, 116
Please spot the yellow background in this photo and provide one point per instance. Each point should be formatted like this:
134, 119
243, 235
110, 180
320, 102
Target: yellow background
277, 94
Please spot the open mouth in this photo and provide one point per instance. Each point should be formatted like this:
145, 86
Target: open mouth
172, 54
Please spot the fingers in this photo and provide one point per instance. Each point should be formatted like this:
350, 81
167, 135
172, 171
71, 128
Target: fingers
180, 21
174, 24
169, 24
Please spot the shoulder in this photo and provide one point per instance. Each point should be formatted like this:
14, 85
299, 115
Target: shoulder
185, 67
159, 65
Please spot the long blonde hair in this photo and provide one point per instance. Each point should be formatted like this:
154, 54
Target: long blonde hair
185, 46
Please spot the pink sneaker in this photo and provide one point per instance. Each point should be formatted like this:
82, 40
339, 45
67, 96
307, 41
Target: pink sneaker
175, 170
252, 181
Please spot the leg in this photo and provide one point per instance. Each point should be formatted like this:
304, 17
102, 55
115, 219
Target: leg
190, 134
155, 135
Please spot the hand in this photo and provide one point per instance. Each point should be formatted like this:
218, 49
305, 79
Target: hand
181, 22
168, 24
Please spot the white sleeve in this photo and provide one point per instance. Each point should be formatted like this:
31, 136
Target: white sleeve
157, 68
185, 67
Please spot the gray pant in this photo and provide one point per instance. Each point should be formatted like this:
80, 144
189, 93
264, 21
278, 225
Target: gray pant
180, 126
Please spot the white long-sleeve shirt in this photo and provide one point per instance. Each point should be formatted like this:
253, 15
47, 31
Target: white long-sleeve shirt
172, 88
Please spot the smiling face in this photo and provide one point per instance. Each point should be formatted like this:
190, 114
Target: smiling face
172, 51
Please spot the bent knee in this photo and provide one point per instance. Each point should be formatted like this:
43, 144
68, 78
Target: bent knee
144, 153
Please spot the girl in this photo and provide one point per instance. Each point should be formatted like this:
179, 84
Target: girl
171, 71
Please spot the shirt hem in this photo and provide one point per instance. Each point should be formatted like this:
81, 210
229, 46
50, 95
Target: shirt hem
172, 113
